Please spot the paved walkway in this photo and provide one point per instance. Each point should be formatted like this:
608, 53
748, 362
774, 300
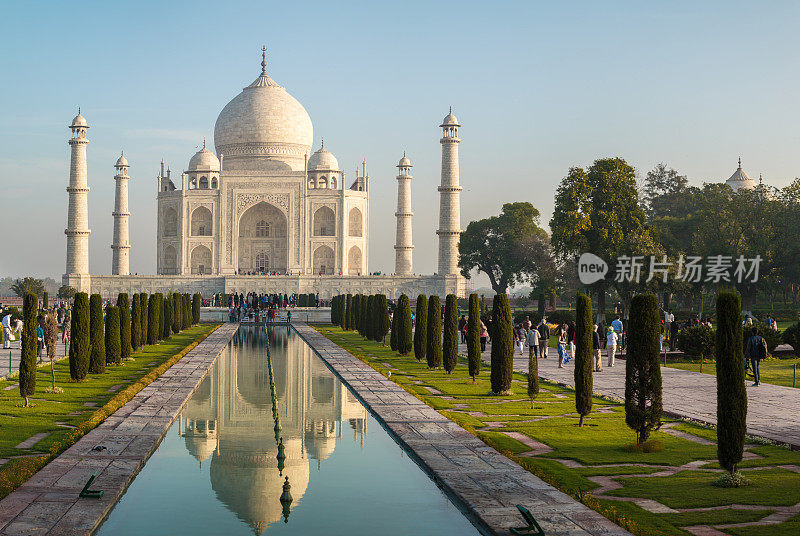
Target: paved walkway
484, 482
773, 411
9, 359
48, 503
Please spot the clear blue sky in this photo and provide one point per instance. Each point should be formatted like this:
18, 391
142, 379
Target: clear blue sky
537, 86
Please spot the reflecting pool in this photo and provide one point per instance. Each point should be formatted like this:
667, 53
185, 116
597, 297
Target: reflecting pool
217, 471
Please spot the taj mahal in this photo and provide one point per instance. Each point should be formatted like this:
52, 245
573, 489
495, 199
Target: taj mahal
264, 212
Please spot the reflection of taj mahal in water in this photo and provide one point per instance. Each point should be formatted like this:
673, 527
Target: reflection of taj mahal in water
229, 423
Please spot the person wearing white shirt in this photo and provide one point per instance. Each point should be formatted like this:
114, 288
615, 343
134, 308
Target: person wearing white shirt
611, 345
7, 331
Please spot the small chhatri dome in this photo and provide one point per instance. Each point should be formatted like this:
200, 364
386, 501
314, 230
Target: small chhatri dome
450, 120
404, 162
79, 121
121, 161
739, 180
204, 160
323, 160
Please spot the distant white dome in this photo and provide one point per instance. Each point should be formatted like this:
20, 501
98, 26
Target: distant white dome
323, 160
204, 160
450, 120
739, 180
121, 161
404, 162
264, 121
79, 121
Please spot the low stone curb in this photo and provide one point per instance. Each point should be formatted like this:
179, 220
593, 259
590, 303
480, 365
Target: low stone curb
48, 502
484, 484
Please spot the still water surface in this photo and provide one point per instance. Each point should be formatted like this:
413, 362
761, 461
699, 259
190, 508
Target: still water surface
216, 472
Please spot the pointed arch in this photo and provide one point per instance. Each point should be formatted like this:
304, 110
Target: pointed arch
202, 224
201, 261
324, 222
354, 261
355, 219
324, 261
170, 222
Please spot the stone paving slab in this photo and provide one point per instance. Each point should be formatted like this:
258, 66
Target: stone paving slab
31, 441
481, 480
48, 503
773, 411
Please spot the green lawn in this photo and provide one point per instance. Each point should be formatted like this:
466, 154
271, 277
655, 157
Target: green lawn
57, 414
775, 371
598, 449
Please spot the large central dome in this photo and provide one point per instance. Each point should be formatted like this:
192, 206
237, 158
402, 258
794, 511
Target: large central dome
264, 121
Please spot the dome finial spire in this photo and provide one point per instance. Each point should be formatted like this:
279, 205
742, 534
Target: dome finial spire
323, 143
204, 143
263, 60
740, 162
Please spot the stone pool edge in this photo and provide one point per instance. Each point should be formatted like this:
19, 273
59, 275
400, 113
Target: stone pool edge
48, 502
483, 483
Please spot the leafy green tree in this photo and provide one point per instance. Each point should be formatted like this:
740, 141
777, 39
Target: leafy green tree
27, 363
665, 193
97, 358
474, 336
450, 338
643, 405
421, 328
507, 248
583, 356
27, 284
197, 302
731, 392
45, 301
403, 315
136, 322
433, 352
112, 336
65, 292
502, 346
152, 319
597, 211
80, 342
124, 326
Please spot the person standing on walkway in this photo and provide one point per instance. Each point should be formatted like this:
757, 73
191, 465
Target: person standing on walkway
462, 328
533, 342
669, 318
571, 339
7, 331
561, 344
519, 338
755, 351
598, 358
619, 329
611, 345
544, 337
484, 334
39, 337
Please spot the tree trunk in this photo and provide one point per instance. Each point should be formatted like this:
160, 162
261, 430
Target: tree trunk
580, 422
601, 305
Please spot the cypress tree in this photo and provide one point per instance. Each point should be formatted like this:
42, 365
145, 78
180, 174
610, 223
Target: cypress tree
160, 331
144, 317
731, 391
97, 357
167, 317
643, 367
474, 336
433, 353
124, 326
421, 328
113, 338
187, 311
363, 309
583, 356
197, 302
348, 311
403, 315
79, 343
177, 307
382, 326
450, 344
502, 346
45, 301
393, 332
369, 318
136, 322
152, 319
335, 319
355, 319
27, 363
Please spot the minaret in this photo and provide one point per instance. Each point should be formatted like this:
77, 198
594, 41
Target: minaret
403, 244
449, 198
77, 230
120, 263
